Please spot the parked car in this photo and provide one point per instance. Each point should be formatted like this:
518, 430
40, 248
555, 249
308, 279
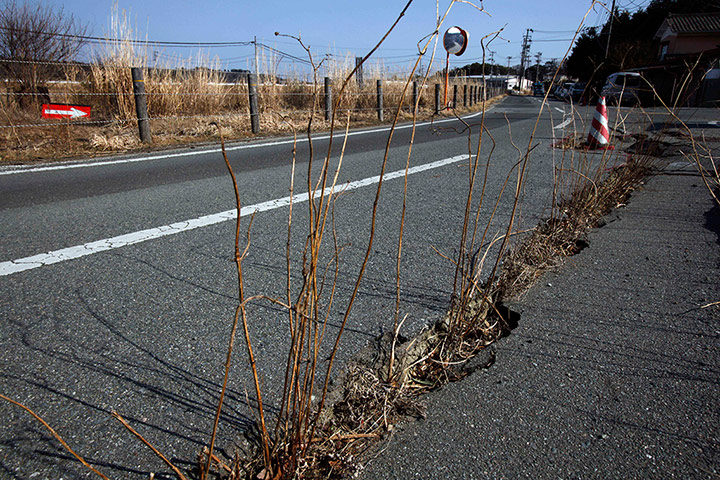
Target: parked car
563, 92
626, 88
538, 89
577, 91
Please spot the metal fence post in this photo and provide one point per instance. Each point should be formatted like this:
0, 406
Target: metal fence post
141, 105
328, 98
465, 95
437, 98
380, 100
455, 96
414, 96
252, 93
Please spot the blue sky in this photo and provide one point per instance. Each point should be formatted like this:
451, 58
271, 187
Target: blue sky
344, 27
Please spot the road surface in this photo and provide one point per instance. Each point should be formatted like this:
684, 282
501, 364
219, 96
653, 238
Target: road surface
118, 289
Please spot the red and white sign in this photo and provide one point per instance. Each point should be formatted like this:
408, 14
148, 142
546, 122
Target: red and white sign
55, 110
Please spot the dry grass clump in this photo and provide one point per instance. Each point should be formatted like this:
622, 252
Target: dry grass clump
559, 237
177, 86
114, 142
185, 96
367, 408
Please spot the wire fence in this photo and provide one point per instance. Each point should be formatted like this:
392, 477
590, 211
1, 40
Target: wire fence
185, 102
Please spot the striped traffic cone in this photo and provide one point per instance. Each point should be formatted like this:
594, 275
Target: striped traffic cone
599, 135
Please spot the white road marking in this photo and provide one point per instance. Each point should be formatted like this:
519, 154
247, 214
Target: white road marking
563, 124
67, 166
70, 253
560, 110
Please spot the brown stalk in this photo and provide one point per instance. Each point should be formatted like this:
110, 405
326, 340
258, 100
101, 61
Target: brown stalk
526, 158
218, 461
240, 311
56, 435
155, 450
292, 328
402, 214
695, 154
346, 316
472, 172
371, 236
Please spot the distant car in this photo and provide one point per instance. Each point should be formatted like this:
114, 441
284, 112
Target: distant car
577, 91
563, 92
626, 88
538, 89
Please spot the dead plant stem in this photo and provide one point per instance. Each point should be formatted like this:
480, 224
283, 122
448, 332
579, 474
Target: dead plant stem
56, 435
155, 450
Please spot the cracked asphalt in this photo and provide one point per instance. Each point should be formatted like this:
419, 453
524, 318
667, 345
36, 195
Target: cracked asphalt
143, 329
613, 370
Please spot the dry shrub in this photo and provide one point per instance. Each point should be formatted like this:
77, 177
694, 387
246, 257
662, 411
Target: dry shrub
193, 86
559, 237
366, 408
117, 142
174, 90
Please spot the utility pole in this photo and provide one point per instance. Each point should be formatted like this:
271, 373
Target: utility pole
257, 69
524, 55
492, 62
612, 17
507, 74
538, 56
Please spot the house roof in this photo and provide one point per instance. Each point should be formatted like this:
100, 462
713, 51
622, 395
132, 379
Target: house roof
690, 23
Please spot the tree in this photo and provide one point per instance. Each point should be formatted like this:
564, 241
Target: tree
476, 68
587, 55
34, 42
632, 44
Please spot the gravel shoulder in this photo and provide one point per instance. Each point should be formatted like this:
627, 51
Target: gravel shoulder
613, 370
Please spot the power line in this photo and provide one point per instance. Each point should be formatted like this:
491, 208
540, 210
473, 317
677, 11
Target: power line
284, 54
554, 31
130, 40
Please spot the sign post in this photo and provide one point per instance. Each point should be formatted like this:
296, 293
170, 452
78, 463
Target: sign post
455, 42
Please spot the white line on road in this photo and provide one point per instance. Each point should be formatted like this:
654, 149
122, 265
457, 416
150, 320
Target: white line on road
563, 124
70, 253
66, 166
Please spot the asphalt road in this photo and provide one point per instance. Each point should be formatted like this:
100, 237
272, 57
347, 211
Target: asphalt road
142, 328
613, 370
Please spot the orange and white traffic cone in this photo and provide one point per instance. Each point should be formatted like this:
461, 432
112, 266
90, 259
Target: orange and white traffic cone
599, 135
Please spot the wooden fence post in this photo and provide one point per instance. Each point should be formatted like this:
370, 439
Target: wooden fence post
252, 93
141, 109
328, 98
414, 95
380, 100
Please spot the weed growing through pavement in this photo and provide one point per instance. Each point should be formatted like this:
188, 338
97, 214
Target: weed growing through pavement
322, 431
304, 441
